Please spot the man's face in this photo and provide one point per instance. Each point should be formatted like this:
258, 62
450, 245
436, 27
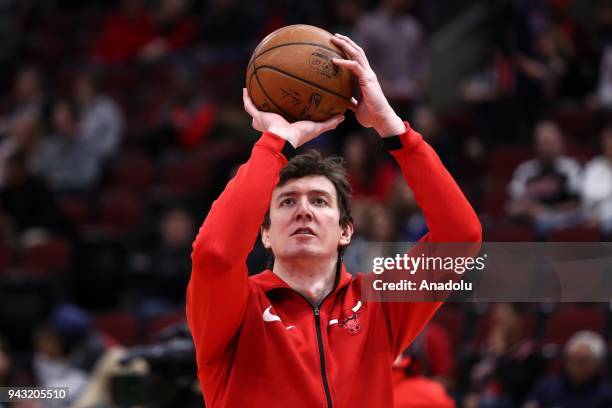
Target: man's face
580, 363
305, 220
549, 142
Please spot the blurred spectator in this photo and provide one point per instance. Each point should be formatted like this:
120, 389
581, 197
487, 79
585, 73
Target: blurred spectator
396, 47
344, 15
434, 349
124, 34
409, 218
101, 124
602, 48
186, 119
173, 30
597, 185
380, 224
603, 27
28, 97
545, 189
491, 82
9, 42
509, 366
425, 121
582, 383
604, 87
229, 25
569, 39
412, 390
370, 174
539, 59
68, 162
27, 201
66, 350
25, 136
376, 232
164, 269
7, 368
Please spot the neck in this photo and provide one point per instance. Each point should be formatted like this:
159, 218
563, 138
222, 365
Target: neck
313, 278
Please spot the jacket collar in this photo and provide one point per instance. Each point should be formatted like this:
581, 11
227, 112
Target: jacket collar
268, 280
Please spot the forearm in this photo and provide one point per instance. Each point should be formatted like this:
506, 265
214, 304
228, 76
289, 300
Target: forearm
218, 290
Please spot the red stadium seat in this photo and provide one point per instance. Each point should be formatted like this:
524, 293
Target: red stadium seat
119, 212
6, 257
460, 122
134, 172
74, 209
485, 323
52, 256
509, 233
581, 153
495, 198
566, 321
120, 326
504, 160
185, 176
451, 317
577, 124
580, 233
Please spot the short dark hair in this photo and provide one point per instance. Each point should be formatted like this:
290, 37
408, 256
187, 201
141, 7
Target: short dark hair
312, 163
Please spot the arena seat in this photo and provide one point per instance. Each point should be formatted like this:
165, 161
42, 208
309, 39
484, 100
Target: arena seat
6, 257
119, 212
580, 233
134, 172
566, 321
52, 256
120, 326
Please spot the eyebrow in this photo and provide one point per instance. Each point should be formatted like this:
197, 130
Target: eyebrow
292, 193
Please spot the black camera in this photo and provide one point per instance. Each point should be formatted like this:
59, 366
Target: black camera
172, 380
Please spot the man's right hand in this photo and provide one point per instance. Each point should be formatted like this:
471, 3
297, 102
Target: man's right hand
373, 111
296, 133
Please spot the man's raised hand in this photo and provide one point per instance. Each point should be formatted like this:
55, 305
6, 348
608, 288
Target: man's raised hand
373, 110
296, 133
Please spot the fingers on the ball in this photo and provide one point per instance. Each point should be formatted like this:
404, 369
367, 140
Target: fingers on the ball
351, 65
351, 48
353, 43
346, 47
332, 122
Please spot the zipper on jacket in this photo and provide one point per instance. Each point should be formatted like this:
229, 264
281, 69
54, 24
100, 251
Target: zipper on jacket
322, 356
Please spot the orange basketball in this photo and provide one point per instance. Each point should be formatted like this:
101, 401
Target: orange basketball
291, 73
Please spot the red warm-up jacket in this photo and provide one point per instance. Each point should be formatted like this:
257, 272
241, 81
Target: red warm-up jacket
259, 343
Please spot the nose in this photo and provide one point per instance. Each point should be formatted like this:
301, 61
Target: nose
303, 210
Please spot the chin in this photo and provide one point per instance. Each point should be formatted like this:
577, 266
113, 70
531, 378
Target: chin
303, 251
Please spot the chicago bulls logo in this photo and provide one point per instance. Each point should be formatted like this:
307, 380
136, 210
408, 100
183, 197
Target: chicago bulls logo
349, 320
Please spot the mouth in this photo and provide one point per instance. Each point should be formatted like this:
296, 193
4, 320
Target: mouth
304, 231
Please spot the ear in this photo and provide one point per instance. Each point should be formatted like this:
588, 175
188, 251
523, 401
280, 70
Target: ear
265, 238
346, 234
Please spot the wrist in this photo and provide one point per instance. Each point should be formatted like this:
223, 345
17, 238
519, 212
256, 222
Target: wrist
284, 133
391, 125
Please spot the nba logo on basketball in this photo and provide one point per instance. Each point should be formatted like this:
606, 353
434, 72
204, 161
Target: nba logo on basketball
322, 63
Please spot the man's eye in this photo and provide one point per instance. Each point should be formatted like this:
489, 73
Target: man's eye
287, 201
319, 201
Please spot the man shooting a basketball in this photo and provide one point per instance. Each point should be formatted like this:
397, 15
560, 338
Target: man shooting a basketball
299, 335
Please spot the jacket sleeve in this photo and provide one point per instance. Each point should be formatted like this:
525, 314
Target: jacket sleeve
217, 291
449, 217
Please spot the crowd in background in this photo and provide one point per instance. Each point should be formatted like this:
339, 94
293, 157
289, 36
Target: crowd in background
121, 121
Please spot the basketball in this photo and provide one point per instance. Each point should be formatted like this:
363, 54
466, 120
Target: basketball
291, 73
